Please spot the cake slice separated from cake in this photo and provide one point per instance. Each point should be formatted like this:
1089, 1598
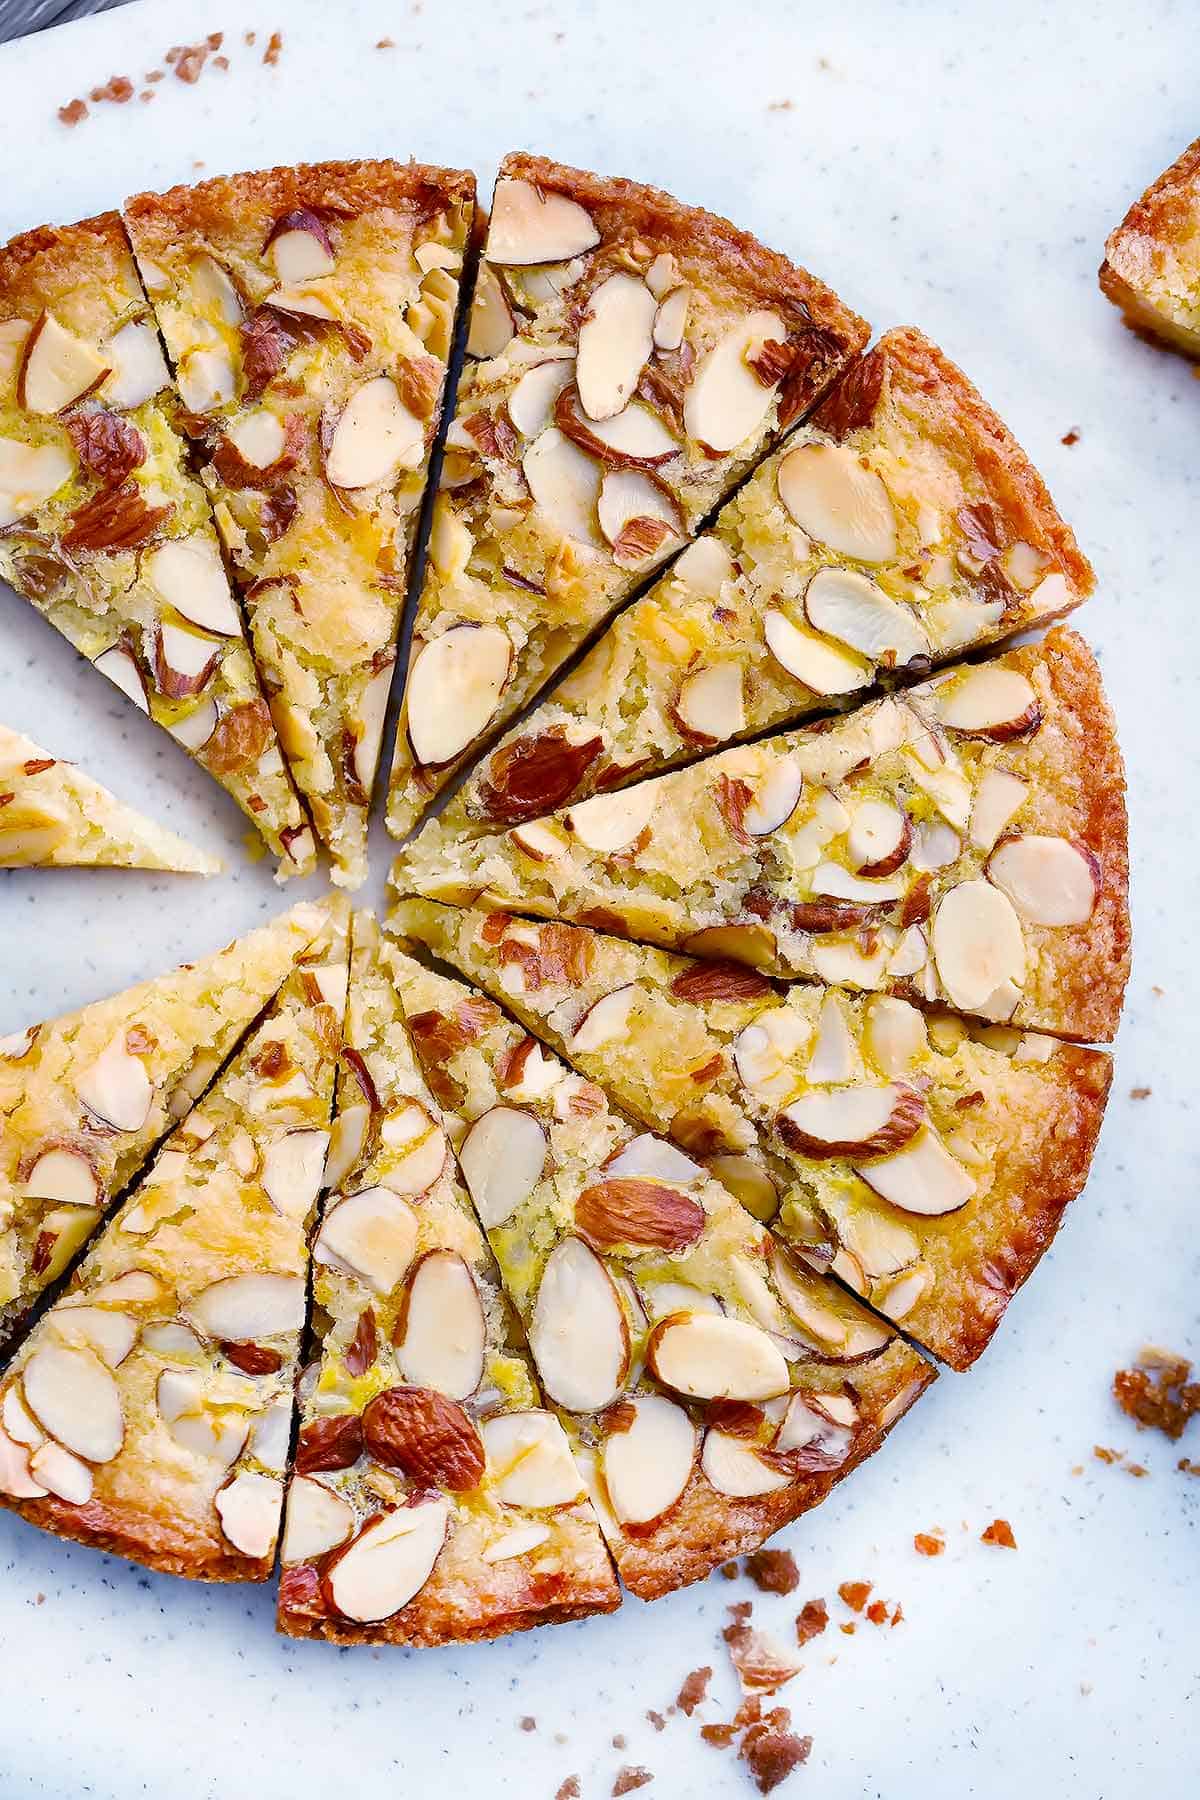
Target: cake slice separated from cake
149, 1410
435, 1499
900, 524
105, 529
85, 1098
963, 842
713, 1388
926, 1161
630, 358
53, 816
1151, 266
309, 313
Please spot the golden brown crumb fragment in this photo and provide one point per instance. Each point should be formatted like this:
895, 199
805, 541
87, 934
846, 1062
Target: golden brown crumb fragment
773, 1571
999, 1532
274, 46
811, 1621
630, 1778
1157, 1392
693, 1691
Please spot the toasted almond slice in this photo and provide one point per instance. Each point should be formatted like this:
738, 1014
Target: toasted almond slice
189, 575
627, 495
19, 1422
977, 944
853, 1121
517, 1542
530, 1461
577, 1333
213, 1432
670, 321
375, 435
610, 822
317, 1520
346, 1141
710, 704
73, 1397
15, 1477
606, 1021
899, 1294
441, 1334
824, 667
195, 728
922, 1177
120, 665
833, 1056
894, 1034
110, 1334
502, 1158
417, 1146
532, 225
852, 609
648, 1460
1049, 880
879, 838
244, 1308
748, 1182
833, 881
373, 1234
726, 402
704, 567
206, 378
565, 484
62, 1474
746, 943
830, 494
56, 367
248, 1508
634, 437
63, 1174
652, 1159
707, 1356
184, 660
531, 403
998, 798
292, 1169
453, 689
821, 1323
814, 1439
988, 701
492, 327
766, 1053
389, 1562
615, 344
116, 1088
139, 368
735, 1468
172, 1339
29, 474
299, 246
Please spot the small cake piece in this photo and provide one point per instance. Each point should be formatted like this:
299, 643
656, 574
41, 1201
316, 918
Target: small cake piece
961, 842
434, 1500
1151, 266
713, 1389
85, 1098
106, 531
925, 1161
149, 1411
53, 816
309, 314
901, 524
630, 360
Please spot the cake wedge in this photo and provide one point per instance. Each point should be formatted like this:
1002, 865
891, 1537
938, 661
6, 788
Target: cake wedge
925, 1161
434, 1499
629, 360
149, 1410
1151, 266
52, 815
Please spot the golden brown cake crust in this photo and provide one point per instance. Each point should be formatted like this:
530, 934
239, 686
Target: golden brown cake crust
1162, 224
157, 1541
43, 260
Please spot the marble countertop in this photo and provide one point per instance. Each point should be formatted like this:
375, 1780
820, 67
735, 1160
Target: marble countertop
956, 166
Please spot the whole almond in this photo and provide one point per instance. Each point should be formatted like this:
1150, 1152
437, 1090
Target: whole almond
425, 1436
630, 1210
333, 1443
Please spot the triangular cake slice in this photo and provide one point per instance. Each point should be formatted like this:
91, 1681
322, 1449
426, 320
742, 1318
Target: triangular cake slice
52, 815
435, 1499
712, 1387
1151, 266
901, 523
309, 314
963, 842
149, 1410
926, 1161
106, 530
630, 358
85, 1098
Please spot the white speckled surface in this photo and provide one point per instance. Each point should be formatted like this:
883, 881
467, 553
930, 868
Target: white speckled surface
956, 166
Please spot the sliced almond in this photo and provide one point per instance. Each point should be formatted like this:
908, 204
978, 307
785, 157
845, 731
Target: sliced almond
1049, 880
110, 1334
998, 799
879, 838
172, 1339
194, 729
62, 1474
834, 1056
502, 1158
710, 704
853, 1121
244, 1308
565, 484
748, 1182
670, 321
73, 1397
894, 1034
116, 1088
880, 1245
662, 1298
824, 1326
746, 943
989, 701
19, 1422
634, 438
368, 726
454, 687
628, 496
899, 1294
615, 344
648, 1460
15, 1476
529, 1460
734, 1467
189, 575
726, 402
704, 567
529, 225
299, 246
606, 1021
766, 1053
346, 1142
492, 326
832, 496
517, 1542
442, 1333
537, 841
708, 1356
56, 367
206, 378
853, 610
577, 1333
120, 665
213, 293
531, 403
248, 1508
137, 1287
292, 1168
416, 1147
652, 1159
776, 797
935, 845
610, 822
63, 1174
29, 474
184, 660
213, 1432
375, 435
923, 1177
139, 368
318, 1520
977, 944
832, 881
373, 1234
824, 667
389, 1562
813, 1439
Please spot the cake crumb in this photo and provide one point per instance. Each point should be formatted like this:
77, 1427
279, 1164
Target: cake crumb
630, 1778
386, 44
1070, 437
569, 1789
656, 1719
1140, 1093
693, 1691
620, 1741
999, 1532
772, 1750
527, 1723
855, 1594
730, 1571
773, 1571
929, 1543
811, 1621
118, 89
1157, 1392
781, 105
272, 51
73, 113
877, 1612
